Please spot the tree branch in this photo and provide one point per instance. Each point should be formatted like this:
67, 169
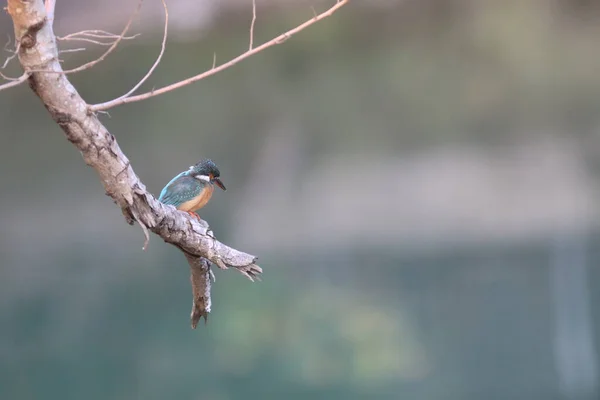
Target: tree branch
252, 51
95, 33
99, 59
13, 82
162, 51
38, 55
100, 150
85, 36
14, 54
251, 45
200, 279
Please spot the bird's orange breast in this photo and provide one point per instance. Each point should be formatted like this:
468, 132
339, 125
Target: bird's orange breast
199, 201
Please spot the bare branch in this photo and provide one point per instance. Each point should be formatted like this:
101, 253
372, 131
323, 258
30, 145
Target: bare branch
88, 40
200, 275
101, 151
91, 36
33, 31
72, 50
278, 40
162, 51
13, 82
8, 40
314, 11
76, 39
103, 56
8, 78
96, 33
252, 25
15, 52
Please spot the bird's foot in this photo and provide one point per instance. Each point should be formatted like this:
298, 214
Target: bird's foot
193, 214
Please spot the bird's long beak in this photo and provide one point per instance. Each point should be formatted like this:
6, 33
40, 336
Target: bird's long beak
219, 183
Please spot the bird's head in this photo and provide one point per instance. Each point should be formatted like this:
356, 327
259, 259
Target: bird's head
207, 171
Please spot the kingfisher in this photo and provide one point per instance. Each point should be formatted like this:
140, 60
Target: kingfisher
192, 189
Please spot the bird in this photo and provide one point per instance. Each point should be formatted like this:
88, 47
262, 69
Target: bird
191, 190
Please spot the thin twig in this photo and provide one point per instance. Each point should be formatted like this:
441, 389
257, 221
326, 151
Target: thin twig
8, 40
76, 39
314, 11
72, 50
84, 36
162, 51
15, 82
278, 40
96, 33
252, 25
106, 53
8, 78
87, 35
13, 55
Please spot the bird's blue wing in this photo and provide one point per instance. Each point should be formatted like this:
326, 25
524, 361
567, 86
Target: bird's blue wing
182, 188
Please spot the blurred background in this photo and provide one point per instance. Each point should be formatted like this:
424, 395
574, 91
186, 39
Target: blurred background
419, 179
